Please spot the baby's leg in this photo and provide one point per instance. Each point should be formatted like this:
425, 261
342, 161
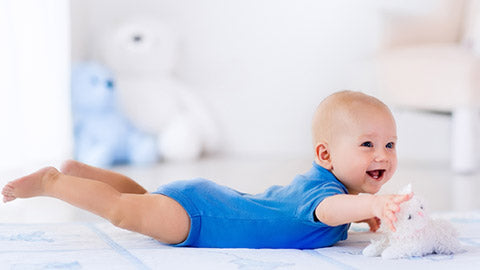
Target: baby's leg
154, 215
118, 181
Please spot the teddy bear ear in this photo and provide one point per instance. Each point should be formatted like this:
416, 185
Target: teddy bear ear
406, 189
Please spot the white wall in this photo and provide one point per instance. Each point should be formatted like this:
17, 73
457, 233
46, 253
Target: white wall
34, 83
263, 66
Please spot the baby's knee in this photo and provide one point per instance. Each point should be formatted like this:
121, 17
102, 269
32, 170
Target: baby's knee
169, 223
157, 216
181, 227
118, 216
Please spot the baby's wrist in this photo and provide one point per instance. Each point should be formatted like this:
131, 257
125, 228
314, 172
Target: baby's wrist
373, 202
368, 205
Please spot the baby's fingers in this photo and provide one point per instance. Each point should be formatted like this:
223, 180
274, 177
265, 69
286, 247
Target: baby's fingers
390, 225
390, 218
402, 198
374, 224
393, 207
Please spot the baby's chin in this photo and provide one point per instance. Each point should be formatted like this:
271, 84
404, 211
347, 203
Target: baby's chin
371, 188
366, 185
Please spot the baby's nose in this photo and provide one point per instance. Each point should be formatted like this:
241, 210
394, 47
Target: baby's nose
380, 155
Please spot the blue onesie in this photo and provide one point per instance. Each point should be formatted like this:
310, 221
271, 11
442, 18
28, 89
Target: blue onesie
281, 217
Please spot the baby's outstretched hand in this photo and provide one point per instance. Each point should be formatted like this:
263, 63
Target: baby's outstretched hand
385, 207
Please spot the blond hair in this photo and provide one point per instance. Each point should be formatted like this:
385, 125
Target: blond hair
331, 114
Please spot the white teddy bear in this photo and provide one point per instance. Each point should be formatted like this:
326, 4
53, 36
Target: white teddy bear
143, 52
416, 234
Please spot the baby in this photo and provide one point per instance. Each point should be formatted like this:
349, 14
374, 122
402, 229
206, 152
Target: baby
354, 139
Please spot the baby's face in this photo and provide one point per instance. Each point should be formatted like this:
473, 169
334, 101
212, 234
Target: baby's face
364, 155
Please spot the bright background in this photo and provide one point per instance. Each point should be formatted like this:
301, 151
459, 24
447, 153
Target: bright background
260, 66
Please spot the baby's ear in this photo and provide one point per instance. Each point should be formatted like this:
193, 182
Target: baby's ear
322, 155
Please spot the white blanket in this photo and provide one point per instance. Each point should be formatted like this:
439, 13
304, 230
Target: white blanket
102, 246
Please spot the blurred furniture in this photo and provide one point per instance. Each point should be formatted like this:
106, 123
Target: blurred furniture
429, 61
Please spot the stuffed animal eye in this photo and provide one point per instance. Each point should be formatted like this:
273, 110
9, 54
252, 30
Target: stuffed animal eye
137, 38
109, 84
409, 217
421, 207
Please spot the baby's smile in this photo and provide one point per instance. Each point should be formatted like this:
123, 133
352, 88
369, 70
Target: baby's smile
376, 174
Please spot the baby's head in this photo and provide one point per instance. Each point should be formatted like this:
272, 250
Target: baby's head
354, 137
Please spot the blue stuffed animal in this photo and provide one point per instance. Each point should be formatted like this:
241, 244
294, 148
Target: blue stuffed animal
103, 136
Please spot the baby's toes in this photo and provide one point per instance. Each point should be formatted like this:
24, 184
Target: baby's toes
7, 190
8, 194
8, 198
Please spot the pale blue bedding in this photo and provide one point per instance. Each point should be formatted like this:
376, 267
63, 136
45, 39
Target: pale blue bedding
102, 246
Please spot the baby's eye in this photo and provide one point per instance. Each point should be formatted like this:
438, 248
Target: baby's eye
367, 144
390, 145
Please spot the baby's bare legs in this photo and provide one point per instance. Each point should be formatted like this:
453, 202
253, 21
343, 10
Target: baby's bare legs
154, 215
118, 181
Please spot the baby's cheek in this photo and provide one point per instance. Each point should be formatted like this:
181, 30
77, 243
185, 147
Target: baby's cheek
389, 175
393, 166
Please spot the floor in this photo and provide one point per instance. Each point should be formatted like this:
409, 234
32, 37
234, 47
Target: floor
81, 245
443, 190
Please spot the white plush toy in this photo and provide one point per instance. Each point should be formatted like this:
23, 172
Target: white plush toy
416, 234
142, 53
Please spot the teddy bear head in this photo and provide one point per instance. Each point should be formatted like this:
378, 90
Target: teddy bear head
92, 88
412, 217
140, 47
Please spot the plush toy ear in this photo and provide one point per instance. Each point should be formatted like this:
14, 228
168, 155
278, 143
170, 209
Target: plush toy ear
406, 189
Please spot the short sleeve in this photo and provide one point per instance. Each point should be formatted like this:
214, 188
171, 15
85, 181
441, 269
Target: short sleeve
315, 196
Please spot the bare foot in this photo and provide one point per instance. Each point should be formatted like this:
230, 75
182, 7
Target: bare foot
29, 186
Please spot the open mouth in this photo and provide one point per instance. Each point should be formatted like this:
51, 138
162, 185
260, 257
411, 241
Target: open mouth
376, 174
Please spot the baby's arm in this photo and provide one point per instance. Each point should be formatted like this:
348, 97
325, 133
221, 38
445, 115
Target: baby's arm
341, 209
